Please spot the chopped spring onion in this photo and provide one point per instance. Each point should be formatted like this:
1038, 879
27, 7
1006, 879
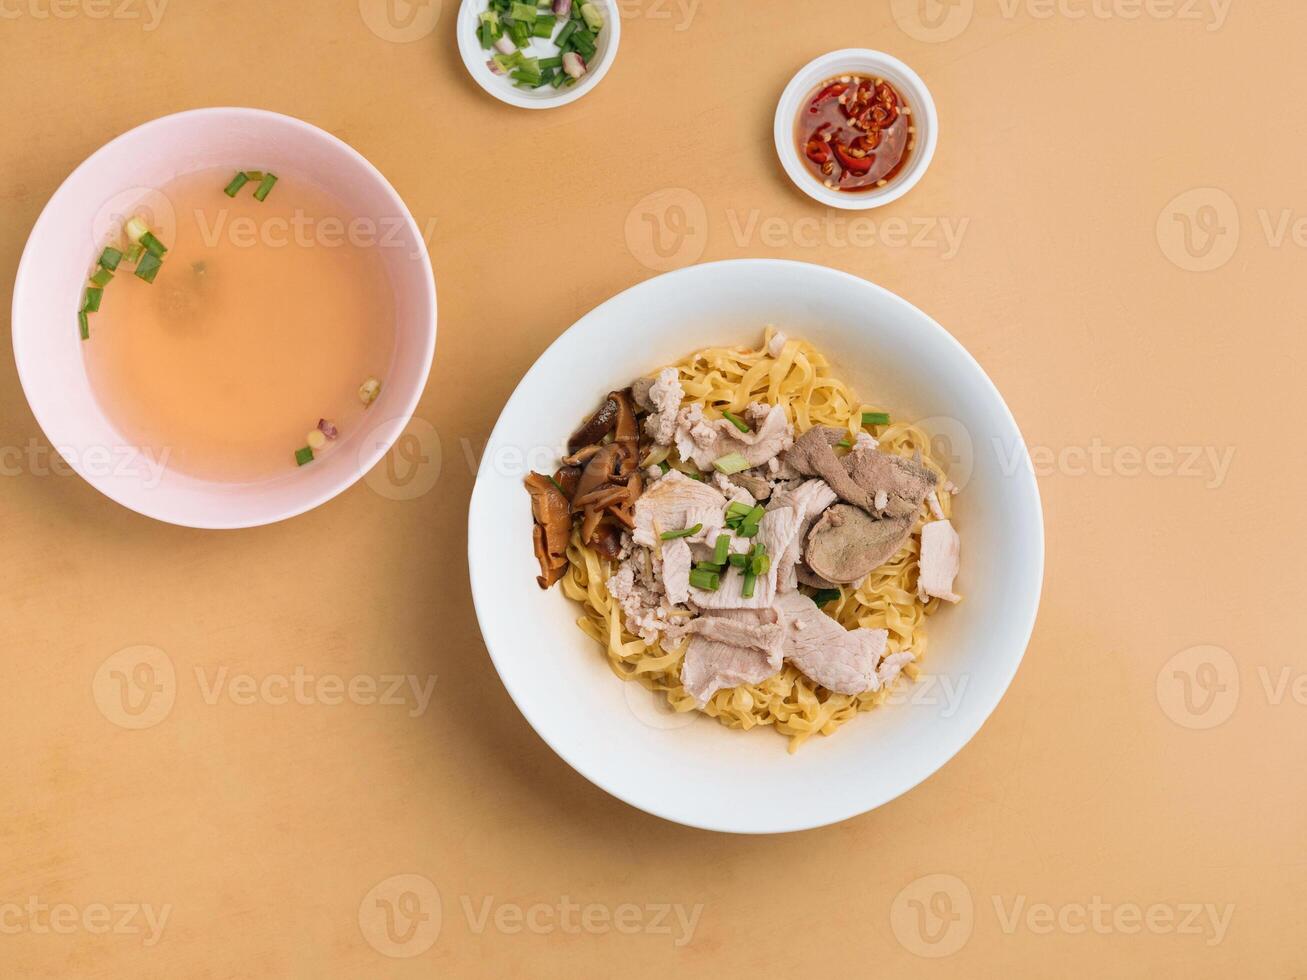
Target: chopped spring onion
566, 34
844, 444
760, 563
148, 267
136, 229
525, 12
558, 486
593, 18
134, 253
825, 595
237, 182
93, 297
83, 325
665, 466
303, 456
736, 421
749, 526
110, 258
102, 277
552, 62
583, 43
520, 33
153, 245
739, 561
750, 580
875, 418
708, 581
708, 566
737, 509
265, 187
673, 535
730, 463
544, 26
722, 549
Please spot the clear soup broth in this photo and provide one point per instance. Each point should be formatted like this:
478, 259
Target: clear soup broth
265, 317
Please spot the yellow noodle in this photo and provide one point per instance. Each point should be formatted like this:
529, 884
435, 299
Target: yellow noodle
799, 380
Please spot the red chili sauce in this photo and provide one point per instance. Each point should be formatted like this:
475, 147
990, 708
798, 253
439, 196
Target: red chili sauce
855, 133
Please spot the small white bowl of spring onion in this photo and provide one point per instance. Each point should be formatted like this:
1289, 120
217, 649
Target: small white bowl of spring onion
538, 54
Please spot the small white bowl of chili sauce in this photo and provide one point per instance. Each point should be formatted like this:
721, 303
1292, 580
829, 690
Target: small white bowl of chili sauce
856, 129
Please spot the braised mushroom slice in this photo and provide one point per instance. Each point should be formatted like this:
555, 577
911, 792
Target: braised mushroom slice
848, 543
596, 427
567, 478
553, 527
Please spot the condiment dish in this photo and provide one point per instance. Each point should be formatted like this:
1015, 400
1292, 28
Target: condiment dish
857, 61
477, 59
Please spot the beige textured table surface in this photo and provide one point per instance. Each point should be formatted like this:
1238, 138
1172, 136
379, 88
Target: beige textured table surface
1134, 808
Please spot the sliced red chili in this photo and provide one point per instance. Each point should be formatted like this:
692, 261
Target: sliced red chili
856, 166
818, 151
829, 92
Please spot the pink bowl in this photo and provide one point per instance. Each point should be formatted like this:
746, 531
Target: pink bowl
125, 174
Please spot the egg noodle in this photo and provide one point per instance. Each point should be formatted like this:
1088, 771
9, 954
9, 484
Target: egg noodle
799, 380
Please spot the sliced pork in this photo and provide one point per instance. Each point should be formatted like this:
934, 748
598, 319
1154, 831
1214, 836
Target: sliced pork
941, 551
728, 649
840, 660
676, 562
810, 499
668, 502
778, 527
705, 441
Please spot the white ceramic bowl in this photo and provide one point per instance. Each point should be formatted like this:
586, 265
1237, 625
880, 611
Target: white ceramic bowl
125, 175
503, 89
866, 62
689, 768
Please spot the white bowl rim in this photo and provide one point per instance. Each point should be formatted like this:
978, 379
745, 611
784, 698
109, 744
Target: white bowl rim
475, 62
390, 429
829, 65
481, 579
